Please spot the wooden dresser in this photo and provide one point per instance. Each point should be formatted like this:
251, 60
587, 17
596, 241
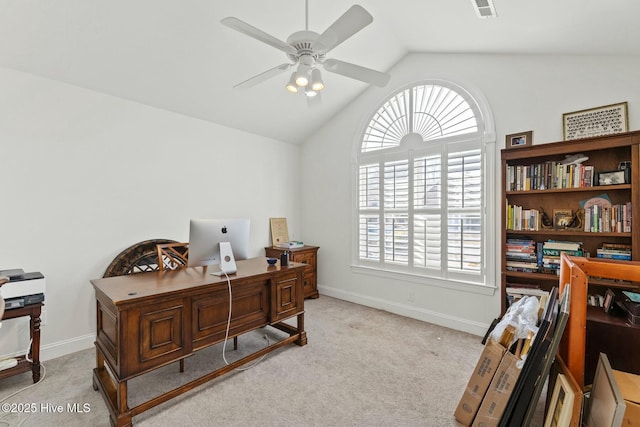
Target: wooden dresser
305, 255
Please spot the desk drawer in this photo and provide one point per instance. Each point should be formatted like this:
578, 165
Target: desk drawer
308, 258
210, 312
288, 298
154, 334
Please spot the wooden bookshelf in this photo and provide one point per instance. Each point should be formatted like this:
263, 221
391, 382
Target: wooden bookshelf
604, 155
590, 330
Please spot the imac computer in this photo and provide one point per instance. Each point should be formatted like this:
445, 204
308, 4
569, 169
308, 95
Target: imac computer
206, 236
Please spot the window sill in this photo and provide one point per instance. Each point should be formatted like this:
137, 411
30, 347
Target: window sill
426, 280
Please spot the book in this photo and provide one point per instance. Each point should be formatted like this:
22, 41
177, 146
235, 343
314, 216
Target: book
562, 245
290, 245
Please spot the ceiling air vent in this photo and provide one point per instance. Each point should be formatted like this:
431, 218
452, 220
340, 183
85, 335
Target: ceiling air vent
484, 8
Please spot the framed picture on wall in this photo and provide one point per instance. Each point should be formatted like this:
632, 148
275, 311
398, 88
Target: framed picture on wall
519, 140
605, 120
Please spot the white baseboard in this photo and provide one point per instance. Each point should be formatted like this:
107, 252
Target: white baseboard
441, 319
62, 348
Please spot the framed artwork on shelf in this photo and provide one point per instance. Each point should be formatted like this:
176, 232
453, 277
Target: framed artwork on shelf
599, 121
619, 176
609, 299
519, 140
562, 218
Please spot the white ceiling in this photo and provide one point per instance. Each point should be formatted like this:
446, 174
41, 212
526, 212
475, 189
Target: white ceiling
175, 54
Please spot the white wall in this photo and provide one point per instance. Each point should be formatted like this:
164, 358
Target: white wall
85, 175
524, 93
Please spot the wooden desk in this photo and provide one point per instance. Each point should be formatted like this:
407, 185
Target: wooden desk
24, 365
149, 320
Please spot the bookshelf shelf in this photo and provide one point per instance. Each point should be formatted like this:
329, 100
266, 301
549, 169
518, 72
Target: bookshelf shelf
594, 189
559, 233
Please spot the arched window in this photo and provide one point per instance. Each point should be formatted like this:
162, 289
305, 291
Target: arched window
421, 192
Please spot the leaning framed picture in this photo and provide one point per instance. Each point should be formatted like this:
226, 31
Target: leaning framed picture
519, 140
605, 120
560, 408
606, 406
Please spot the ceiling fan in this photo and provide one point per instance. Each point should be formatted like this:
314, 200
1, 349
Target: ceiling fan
308, 50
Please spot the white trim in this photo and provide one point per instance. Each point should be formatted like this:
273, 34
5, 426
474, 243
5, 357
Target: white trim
72, 345
441, 319
466, 286
483, 138
60, 348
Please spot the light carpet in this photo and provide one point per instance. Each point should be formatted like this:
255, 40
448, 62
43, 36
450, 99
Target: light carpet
361, 367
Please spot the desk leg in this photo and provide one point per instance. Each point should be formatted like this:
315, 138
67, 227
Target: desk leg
303, 334
113, 392
124, 415
34, 352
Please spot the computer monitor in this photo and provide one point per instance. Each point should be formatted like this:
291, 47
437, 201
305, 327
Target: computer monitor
205, 236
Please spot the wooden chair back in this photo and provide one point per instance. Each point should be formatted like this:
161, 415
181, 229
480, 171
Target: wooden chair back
172, 256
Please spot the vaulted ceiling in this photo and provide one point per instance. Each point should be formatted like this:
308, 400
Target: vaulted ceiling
175, 54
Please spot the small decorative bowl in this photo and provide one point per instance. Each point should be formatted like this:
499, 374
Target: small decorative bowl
272, 261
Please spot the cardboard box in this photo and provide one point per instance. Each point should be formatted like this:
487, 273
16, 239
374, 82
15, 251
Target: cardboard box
479, 382
629, 386
500, 389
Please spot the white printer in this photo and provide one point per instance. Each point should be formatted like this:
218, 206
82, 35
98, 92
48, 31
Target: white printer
23, 288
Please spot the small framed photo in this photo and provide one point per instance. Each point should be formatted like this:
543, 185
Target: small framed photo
609, 299
519, 140
619, 176
562, 218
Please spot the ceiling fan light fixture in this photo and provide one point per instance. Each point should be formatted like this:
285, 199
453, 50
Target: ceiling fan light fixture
291, 85
310, 93
316, 80
302, 76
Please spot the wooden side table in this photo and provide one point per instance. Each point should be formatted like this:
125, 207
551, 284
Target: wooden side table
24, 365
306, 255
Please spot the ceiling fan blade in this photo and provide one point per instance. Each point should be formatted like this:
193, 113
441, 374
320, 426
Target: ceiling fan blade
352, 21
257, 34
266, 75
357, 72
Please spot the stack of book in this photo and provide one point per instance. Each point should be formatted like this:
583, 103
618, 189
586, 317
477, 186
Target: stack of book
548, 175
615, 251
291, 245
522, 219
521, 255
604, 219
551, 250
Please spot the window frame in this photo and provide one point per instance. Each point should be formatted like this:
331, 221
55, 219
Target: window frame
410, 149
